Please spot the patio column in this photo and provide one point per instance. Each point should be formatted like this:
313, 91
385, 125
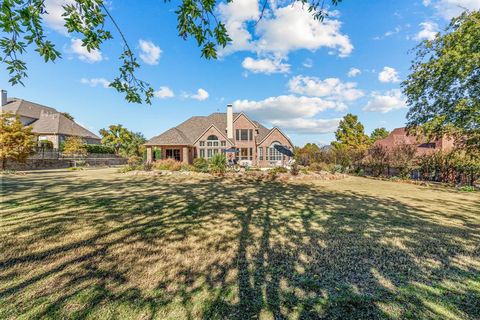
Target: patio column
185, 155
149, 154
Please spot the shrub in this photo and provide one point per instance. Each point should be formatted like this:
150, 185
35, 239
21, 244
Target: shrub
46, 144
168, 164
126, 169
134, 161
200, 165
318, 166
217, 164
278, 170
294, 170
467, 188
147, 166
188, 167
98, 148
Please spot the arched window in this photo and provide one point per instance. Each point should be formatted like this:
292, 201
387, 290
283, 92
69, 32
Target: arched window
212, 141
274, 154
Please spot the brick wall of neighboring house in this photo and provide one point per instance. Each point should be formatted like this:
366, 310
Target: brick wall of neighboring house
273, 137
241, 122
50, 137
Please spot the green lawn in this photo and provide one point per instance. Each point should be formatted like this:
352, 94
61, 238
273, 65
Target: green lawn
97, 244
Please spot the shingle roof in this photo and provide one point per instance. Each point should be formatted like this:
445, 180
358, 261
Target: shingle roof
57, 123
192, 128
26, 108
49, 120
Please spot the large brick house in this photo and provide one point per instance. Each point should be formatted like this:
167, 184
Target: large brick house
236, 134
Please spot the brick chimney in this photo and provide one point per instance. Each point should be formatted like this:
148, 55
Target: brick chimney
3, 98
229, 121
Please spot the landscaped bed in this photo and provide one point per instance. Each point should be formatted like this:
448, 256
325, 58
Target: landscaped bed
99, 244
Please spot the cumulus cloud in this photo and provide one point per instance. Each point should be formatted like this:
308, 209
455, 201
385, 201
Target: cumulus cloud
448, 9
428, 31
54, 18
286, 107
266, 65
389, 101
164, 93
332, 89
388, 74
308, 126
94, 82
201, 95
281, 30
149, 52
83, 54
353, 72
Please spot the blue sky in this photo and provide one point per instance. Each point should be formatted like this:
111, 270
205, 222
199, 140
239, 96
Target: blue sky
287, 70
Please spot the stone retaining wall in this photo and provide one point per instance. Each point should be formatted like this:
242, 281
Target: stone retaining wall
42, 164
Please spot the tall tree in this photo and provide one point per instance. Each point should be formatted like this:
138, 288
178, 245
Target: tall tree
21, 24
443, 89
17, 142
378, 133
74, 146
123, 141
351, 134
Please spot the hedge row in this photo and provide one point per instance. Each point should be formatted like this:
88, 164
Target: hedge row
98, 148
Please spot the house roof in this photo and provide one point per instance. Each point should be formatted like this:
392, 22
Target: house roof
48, 120
26, 108
189, 131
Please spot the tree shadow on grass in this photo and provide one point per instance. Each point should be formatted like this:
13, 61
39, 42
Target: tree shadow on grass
164, 248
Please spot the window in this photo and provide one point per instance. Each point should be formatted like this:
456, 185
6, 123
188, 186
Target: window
427, 145
237, 134
212, 137
223, 143
275, 155
260, 153
209, 153
250, 134
251, 154
244, 134
173, 154
243, 153
202, 143
202, 153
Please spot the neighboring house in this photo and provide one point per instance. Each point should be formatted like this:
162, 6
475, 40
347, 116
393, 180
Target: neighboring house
47, 123
205, 136
424, 146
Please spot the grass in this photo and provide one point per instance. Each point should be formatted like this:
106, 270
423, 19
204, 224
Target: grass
97, 244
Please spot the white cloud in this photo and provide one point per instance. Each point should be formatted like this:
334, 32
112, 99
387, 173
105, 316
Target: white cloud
149, 52
286, 107
54, 19
94, 82
448, 9
353, 72
389, 33
390, 100
308, 63
164, 93
332, 89
266, 65
308, 126
83, 54
388, 74
428, 31
201, 95
280, 31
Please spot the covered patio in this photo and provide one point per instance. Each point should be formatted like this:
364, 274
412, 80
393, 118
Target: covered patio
182, 153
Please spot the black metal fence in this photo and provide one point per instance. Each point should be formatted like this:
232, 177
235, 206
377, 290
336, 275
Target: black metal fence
48, 154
